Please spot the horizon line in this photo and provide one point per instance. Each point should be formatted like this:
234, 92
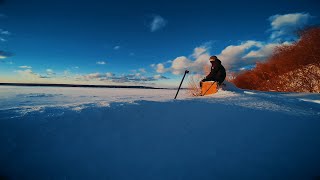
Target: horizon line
79, 85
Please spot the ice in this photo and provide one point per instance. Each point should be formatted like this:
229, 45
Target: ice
28, 99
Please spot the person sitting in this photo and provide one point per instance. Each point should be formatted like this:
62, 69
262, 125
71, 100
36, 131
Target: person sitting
217, 73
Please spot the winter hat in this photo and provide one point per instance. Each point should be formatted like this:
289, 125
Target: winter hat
212, 58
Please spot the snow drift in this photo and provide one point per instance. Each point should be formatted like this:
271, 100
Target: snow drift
86, 133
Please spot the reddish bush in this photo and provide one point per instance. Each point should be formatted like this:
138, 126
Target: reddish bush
286, 59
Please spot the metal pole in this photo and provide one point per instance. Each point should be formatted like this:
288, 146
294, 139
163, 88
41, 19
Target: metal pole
181, 83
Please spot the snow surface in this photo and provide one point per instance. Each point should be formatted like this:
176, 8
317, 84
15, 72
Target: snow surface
93, 133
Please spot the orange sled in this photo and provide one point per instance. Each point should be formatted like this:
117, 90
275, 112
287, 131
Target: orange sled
209, 87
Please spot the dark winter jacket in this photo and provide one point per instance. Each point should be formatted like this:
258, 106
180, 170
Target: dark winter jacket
218, 72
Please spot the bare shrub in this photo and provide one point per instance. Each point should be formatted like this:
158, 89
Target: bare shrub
194, 88
288, 63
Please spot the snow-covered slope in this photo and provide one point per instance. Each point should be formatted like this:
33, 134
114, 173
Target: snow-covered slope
87, 133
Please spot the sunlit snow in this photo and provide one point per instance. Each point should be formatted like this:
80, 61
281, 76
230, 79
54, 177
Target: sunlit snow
99, 133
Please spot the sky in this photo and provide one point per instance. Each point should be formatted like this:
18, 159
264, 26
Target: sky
141, 42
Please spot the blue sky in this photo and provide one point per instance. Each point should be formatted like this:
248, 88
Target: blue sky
140, 42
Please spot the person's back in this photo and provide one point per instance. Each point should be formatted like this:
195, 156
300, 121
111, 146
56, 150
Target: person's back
217, 73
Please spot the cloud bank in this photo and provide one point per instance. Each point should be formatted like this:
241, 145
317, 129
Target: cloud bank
128, 78
244, 54
29, 74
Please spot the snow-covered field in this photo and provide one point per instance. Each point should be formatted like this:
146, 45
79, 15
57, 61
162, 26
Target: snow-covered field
92, 133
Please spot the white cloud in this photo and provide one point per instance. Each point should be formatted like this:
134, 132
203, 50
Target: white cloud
265, 51
125, 78
29, 74
109, 74
287, 24
101, 62
247, 53
142, 70
50, 72
295, 19
93, 76
233, 54
233, 57
158, 76
182, 63
27, 71
160, 68
25, 67
4, 32
198, 51
116, 48
98, 76
201, 59
157, 23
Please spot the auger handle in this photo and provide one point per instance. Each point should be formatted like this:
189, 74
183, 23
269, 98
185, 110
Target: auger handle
186, 72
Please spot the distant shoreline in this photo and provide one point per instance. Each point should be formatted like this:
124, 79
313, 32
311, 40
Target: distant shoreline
77, 85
